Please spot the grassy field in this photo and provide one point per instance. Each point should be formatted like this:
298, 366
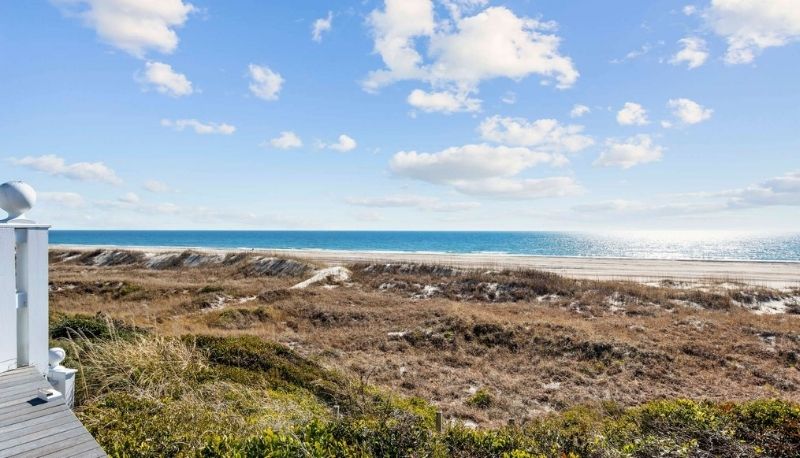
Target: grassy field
220, 356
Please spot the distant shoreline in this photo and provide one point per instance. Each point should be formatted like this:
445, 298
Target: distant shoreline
777, 274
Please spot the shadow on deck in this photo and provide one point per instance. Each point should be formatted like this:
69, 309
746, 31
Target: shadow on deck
30, 427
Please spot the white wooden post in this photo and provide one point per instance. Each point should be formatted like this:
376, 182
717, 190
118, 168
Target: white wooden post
24, 335
8, 300
33, 337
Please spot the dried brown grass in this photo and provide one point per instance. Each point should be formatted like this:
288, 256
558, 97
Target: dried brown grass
538, 342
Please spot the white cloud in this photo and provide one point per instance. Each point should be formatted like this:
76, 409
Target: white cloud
156, 186
81, 171
782, 190
286, 140
621, 208
343, 145
443, 102
693, 52
689, 10
133, 26
63, 199
321, 26
199, 127
412, 201
508, 188
510, 98
458, 7
779, 191
130, 198
166, 80
497, 43
462, 51
636, 150
689, 111
632, 114
579, 110
468, 162
485, 170
543, 134
264, 83
750, 26
635, 54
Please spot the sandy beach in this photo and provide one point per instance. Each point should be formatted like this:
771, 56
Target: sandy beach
768, 274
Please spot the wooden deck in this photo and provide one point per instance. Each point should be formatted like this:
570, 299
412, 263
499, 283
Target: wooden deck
30, 427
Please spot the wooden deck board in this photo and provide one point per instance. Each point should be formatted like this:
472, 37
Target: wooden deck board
31, 427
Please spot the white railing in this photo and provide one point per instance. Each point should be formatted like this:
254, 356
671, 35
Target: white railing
24, 289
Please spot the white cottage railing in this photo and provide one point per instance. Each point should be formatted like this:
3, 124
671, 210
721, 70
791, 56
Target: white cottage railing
24, 288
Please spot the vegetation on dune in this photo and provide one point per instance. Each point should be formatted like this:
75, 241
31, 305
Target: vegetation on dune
143, 394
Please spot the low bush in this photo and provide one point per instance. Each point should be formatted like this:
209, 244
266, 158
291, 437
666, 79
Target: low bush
147, 395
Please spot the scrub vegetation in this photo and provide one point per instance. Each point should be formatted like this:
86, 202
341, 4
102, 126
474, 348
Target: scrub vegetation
224, 358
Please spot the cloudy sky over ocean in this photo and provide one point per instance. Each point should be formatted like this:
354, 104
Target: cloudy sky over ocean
404, 114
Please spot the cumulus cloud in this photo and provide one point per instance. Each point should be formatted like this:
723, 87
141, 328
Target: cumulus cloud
632, 114
543, 134
443, 102
264, 83
750, 26
412, 201
165, 80
579, 110
487, 170
80, 171
199, 127
468, 162
133, 26
689, 10
689, 111
509, 188
462, 51
633, 151
63, 199
157, 186
286, 140
343, 145
693, 52
321, 26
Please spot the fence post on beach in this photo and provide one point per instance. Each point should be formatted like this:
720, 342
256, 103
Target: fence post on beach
439, 427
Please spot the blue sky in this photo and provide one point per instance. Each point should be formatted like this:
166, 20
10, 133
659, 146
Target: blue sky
412, 114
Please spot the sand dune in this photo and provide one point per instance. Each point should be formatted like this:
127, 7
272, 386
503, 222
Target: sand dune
770, 274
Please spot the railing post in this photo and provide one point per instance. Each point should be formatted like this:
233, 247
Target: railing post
23, 282
8, 300
33, 286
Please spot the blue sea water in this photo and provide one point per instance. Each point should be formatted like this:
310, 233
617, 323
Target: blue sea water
653, 245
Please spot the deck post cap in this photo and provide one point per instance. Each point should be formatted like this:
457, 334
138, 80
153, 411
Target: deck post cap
16, 198
57, 355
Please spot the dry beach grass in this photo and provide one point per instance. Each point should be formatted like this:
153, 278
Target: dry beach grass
484, 347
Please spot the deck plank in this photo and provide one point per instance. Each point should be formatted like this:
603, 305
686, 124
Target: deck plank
31, 427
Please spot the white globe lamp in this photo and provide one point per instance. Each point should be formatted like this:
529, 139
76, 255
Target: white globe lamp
16, 198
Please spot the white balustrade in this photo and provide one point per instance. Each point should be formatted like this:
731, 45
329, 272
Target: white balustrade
24, 288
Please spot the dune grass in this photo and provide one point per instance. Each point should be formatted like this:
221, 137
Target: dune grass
145, 395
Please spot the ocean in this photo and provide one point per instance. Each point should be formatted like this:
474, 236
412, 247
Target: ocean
649, 245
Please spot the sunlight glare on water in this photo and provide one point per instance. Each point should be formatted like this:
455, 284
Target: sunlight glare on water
622, 244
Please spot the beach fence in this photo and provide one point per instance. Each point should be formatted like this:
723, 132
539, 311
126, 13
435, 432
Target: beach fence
24, 288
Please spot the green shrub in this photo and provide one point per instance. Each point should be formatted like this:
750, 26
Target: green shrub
283, 367
482, 399
99, 326
149, 396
